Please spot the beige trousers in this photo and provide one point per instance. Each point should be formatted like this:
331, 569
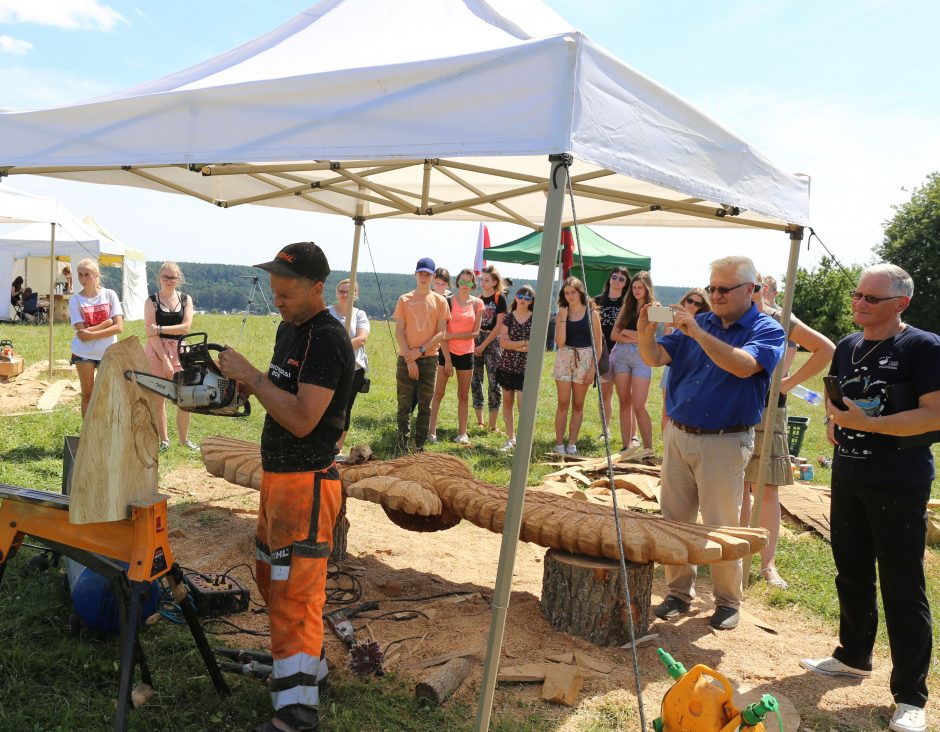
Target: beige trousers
705, 472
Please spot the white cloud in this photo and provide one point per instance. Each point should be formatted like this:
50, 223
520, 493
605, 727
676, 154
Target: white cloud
15, 46
67, 14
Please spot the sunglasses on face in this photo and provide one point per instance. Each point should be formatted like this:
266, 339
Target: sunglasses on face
724, 290
524, 296
872, 299
693, 301
465, 283
617, 278
343, 292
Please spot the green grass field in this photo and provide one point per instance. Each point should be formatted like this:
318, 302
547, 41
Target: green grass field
49, 680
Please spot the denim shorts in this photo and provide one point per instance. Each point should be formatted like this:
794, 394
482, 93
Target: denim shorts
81, 359
625, 359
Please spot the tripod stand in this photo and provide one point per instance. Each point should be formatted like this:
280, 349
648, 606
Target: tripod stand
255, 287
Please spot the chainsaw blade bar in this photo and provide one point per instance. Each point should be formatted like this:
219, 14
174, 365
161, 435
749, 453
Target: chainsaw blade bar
163, 387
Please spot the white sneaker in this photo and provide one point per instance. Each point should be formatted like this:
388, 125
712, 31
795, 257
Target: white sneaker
462, 440
189, 444
509, 446
830, 666
572, 450
908, 718
164, 445
559, 449
432, 439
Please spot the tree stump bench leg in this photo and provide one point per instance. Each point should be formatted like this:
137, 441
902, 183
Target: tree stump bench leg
584, 596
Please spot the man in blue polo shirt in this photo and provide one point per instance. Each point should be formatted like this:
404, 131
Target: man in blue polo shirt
720, 365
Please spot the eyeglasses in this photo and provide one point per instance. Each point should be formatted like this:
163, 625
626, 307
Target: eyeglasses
169, 278
524, 296
465, 283
693, 301
872, 299
343, 292
724, 290
617, 278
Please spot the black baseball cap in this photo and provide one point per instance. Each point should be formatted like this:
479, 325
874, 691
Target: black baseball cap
302, 259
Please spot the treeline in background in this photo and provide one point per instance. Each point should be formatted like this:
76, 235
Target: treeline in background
226, 288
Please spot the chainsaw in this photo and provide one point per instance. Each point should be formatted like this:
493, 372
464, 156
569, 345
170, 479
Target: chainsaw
200, 386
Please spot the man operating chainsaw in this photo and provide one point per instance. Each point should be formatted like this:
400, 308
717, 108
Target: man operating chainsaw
304, 391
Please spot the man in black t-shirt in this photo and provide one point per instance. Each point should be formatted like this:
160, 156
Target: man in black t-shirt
889, 375
305, 392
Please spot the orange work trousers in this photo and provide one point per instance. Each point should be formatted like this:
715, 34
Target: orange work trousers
293, 541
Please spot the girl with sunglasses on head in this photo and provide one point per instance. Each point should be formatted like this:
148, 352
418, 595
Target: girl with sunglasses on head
358, 338
577, 326
609, 303
456, 354
510, 371
779, 470
695, 301
631, 375
487, 352
168, 314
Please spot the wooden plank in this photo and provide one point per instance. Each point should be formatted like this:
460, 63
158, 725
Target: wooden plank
562, 684
438, 660
116, 462
50, 397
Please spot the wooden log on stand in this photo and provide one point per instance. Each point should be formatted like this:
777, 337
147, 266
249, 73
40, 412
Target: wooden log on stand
445, 681
584, 596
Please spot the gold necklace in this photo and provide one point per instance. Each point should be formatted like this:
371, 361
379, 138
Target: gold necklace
868, 352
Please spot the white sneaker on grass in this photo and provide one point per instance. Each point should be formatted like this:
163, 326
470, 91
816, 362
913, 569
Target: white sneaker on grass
432, 439
164, 445
559, 449
189, 444
462, 440
509, 446
572, 449
830, 666
908, 718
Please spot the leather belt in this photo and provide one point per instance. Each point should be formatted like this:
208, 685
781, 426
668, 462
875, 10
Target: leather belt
701, 431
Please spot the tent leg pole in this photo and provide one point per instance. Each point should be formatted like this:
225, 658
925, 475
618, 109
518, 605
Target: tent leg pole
354, 269
770, 414
524, 434
50, 314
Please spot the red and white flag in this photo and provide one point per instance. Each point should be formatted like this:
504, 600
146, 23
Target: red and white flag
483, 242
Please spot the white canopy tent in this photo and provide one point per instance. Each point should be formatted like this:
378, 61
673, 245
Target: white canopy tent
76, 240
413, 108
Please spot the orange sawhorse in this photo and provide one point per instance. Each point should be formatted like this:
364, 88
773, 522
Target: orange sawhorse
139, 542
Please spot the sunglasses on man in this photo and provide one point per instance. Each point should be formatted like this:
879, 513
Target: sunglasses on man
872, 299
524, 296
725, 290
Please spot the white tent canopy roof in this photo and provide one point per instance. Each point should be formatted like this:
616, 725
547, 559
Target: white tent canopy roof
21, 208
346, 102
73, 237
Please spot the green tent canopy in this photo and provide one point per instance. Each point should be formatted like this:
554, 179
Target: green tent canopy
600, 255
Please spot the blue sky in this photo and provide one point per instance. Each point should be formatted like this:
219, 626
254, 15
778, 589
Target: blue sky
847, 92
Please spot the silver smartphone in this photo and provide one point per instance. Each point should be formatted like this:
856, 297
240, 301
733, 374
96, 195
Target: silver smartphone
659, 314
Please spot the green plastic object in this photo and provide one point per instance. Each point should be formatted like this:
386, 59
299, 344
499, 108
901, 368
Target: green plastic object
755, 713
796, 430
673, 667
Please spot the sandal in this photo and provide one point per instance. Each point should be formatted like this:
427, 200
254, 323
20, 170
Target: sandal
773, 578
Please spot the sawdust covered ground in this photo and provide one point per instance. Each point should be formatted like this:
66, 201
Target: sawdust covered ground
19, 394
214, 526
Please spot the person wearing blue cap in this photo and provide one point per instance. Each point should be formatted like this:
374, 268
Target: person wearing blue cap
420, 321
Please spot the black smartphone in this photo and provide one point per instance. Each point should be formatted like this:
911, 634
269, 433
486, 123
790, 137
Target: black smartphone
834, 392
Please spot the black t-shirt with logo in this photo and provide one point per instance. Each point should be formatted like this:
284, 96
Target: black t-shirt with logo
866, 371
609, 308
316, 352
493, 305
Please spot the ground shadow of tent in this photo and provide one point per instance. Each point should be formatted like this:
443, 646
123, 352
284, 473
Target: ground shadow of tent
600, 255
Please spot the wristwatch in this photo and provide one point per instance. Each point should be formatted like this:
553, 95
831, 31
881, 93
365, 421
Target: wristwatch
421, 350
